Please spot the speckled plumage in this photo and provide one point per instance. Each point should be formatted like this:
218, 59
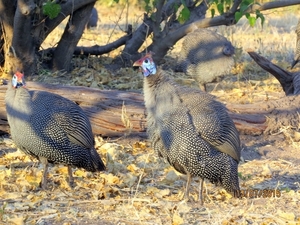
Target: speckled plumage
297, 50
191, 130
205, 55
51, 128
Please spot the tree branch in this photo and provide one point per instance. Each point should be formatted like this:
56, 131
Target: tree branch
162, 46
63, 53
129, 53
271, 5
284, 77
235, 6
67, 7
99, 50
158, 19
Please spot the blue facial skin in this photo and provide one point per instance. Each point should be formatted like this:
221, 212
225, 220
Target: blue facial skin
149, 68
16, 83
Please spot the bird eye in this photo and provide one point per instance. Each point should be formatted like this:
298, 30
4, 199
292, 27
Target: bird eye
146, 60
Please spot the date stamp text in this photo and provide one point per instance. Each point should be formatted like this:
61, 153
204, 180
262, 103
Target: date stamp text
260, 193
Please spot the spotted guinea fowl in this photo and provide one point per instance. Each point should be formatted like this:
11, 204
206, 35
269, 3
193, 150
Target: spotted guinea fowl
51, 128
205, 56
93, 20
297, 51
190, 130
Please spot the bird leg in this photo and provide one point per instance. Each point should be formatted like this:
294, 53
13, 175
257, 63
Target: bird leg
187, 187
202, 87
200, 197
44, 161
71, 178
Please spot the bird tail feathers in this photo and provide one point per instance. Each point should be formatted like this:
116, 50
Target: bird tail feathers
97, 161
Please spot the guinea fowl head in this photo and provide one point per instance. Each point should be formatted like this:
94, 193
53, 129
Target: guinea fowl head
18, 80
147, 64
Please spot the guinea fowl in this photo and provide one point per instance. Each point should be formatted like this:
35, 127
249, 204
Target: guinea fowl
51, 128
93, 20
190, 130
297, 50
205, 56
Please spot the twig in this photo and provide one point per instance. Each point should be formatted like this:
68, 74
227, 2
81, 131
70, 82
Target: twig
116, 24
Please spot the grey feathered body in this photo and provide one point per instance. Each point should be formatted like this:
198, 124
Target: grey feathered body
297, 50
192, 131
205, 55
47, 125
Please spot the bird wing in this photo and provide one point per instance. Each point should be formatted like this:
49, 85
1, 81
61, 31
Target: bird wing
173, 142
212, 122
67, 116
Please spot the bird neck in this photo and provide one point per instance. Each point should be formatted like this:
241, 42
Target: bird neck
159, 93
154, 80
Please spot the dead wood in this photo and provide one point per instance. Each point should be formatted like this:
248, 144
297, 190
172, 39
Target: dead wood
100, 50
116, 113
103, 107
285, 78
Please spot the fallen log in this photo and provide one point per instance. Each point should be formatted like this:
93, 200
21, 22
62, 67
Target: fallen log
117, 113
111, 112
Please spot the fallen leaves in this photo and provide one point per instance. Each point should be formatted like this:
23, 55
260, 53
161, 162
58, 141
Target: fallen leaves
136, 188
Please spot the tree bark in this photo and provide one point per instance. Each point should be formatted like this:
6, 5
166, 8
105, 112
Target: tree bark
67, 8
162, 46
112, 113
64, 51
24, 28
99, 50
130, 51
289, 82
117, 113
7, 18
23, 45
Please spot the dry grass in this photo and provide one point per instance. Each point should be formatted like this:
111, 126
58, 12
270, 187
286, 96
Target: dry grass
138, 188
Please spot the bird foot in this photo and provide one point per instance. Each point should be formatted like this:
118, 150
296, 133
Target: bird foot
71, 178
43, 185
186, 198
71, 183
189, 199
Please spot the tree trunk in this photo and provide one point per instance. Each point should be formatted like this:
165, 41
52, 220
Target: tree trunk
64, 51
24, 27
7, 25
23, 44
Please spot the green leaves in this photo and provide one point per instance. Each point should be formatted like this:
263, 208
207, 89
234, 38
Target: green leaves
148, 6
238, 15
181, 10
184, 14
244, 6
261, 16
252, 20
222, 7
51, 9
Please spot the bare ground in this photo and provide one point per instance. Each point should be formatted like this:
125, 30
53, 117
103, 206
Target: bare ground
139, 188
